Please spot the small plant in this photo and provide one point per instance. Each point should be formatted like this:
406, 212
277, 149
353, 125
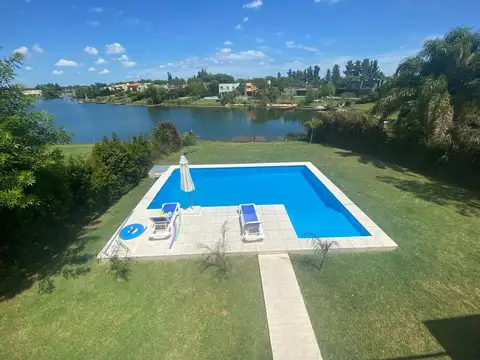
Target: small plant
189, 138
46, 286
215, 256
321, 248
117, 265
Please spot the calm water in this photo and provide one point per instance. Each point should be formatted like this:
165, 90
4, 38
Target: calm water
312, 208
90, 122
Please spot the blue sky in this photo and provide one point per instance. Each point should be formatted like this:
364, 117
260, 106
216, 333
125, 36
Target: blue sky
80, 42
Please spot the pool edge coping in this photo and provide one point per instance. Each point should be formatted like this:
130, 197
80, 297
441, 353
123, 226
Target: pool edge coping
377, 241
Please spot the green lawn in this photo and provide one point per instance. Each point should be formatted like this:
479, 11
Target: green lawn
206, 102
364, 306
364, 107
378, 306
167, 310
76, 149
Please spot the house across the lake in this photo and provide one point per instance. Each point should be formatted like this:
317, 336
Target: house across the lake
250, 90
227, 88
32, 92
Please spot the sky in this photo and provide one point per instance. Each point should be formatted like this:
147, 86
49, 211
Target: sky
81, 42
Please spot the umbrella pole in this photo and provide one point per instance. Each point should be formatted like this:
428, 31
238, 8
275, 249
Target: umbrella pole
191, 199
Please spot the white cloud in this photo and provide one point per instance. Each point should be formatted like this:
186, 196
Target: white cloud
161, 66
93, 22
57, 72
261, 63
38, 49
259, 40
245, 19
21, 50
28, 68
78, 73
228, 42
225, 51
91, 50
91, 69
101, 61
128, 76
279, 33
63, 62
127, 64
292, 45
104, 71
96, 9
170, 64
123, 58
255, 4
238, 27
115, 48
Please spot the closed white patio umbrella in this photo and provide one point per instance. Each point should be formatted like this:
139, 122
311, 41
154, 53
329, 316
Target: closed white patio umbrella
186, 182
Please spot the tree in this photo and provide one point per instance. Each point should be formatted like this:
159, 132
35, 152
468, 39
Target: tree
336, 77
311, 125
357, 68
328, 76
309, 97
374, 70
228, 98
366, 67
279, 75
349, 68
195, 89
316, 72
26, 139
169, 77
50, 91
436, 92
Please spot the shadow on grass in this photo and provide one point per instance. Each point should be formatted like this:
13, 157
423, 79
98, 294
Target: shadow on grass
459, 337
366, 159
48, 247
466, 202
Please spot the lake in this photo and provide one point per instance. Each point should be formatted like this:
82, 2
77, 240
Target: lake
90, 122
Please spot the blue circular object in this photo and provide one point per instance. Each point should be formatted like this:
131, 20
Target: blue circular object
131, 231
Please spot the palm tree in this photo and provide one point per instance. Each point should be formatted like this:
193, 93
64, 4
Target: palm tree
311, 125
436, 90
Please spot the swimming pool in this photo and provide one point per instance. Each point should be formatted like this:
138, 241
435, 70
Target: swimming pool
312, 208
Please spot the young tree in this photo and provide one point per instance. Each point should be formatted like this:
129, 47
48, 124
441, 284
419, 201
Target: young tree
169, 76
279, 75
336, 77
374, 70
366, 69
309, 97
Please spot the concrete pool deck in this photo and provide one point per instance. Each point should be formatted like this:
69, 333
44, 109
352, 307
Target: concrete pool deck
203, 226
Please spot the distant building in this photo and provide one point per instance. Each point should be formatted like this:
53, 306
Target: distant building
32, 92
144, 86
122, 87
250, 90
134, 86
298, 91
363, 86
227, 88
176, 86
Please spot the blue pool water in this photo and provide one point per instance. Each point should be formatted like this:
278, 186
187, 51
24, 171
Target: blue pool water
312, 208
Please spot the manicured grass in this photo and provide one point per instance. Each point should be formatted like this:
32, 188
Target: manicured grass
76, 149
386, 305
364, 107
206, 102
167, 310
363, 306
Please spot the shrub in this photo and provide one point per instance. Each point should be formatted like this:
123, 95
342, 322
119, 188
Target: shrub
166, 138
321, 248
215, 256
118, 166
189, 138
120, 267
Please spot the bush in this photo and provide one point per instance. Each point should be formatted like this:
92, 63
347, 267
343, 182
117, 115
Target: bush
166, 138
189, 138
118, 166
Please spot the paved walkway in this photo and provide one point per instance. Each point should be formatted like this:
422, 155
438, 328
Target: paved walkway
291, 333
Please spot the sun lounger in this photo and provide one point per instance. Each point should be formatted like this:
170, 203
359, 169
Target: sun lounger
163, 223
251, 225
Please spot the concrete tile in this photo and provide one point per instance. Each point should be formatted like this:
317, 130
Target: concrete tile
282, 217
289, 234
249, 247
210, 210
268, 217
208, 219
270, 225
267, 209
278, 209
285, 225
190, 249
359, 244
219, 219
292, 245
274, 235
207, 228
191, 229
